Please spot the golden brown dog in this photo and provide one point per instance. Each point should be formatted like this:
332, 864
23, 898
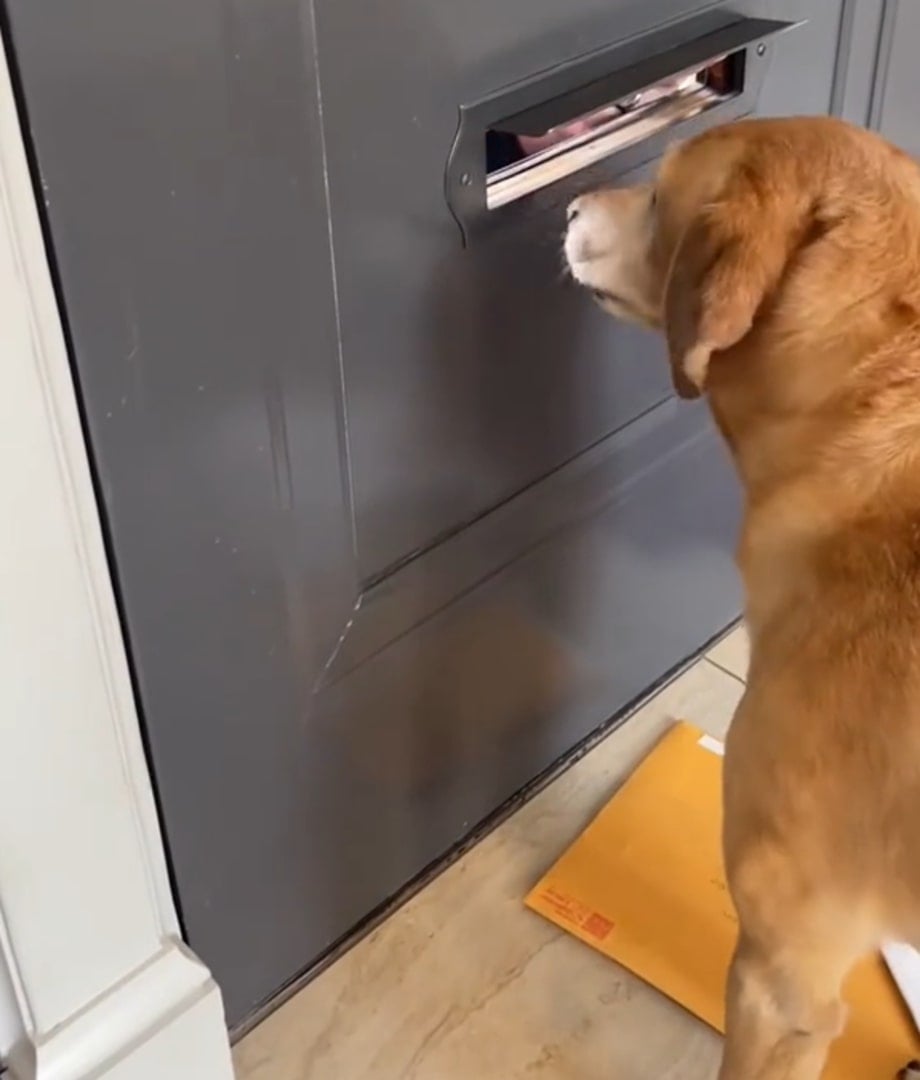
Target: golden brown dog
781, 258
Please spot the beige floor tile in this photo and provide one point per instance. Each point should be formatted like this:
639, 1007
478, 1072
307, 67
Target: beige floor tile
733, 653
465, 984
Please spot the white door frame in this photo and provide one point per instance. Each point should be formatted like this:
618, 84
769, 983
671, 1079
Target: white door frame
103, 985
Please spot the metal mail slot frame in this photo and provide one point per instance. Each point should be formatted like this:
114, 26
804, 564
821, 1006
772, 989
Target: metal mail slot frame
635, 96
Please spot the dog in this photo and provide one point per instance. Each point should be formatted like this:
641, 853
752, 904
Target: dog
781, 260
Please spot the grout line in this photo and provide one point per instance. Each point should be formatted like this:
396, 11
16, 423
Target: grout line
725, 671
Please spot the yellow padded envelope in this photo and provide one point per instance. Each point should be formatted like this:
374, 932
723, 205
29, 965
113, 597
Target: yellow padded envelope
644, 885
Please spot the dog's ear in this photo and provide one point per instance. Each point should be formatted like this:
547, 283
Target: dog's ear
728, 262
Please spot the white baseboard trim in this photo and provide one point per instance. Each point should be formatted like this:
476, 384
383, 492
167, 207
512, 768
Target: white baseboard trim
145, 1026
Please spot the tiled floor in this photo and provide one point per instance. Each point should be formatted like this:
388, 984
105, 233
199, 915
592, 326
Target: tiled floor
463, 983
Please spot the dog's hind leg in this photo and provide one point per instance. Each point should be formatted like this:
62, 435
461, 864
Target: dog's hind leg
783, 1007
781, 1019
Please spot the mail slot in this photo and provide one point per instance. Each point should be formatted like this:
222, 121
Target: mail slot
605, 108
590, 138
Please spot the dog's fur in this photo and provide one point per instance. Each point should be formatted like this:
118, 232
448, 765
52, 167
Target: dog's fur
781, 258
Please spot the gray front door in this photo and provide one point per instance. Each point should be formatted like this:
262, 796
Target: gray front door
396, 522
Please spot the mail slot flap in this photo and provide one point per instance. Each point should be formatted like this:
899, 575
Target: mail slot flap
564, 105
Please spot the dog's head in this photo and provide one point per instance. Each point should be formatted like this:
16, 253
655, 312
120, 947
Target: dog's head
706, 252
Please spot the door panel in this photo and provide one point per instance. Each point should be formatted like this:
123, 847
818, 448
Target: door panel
896, 84
460, 392
861, 21
437, 729
388, 543
468, 374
